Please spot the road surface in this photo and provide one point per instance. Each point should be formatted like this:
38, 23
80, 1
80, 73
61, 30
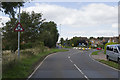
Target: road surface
74, 64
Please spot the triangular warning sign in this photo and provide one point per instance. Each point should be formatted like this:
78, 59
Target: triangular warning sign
19, 28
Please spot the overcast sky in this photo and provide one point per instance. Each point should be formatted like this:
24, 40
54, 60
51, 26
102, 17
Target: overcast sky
78, 18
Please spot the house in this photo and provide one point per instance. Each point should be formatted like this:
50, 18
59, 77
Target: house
113, 39
119, 39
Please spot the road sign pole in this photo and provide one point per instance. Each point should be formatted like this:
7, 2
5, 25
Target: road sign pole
19, 37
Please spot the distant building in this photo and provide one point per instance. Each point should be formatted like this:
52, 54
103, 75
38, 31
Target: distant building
95, 41
84, 40
105, 39
113, 39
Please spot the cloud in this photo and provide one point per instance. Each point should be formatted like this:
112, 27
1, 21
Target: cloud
106, 33
3, 20
86, 16
94, 19
99, 33
115, 25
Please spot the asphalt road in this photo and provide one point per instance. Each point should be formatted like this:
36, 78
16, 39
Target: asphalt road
74, 64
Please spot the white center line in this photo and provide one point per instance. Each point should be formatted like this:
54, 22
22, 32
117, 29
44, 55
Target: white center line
78, 67
81, 71
71, 60
86, 77
68, 56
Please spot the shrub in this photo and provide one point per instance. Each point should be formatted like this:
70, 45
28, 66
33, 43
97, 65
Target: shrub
29, 53
26, 45
39, 46
108, 44
101, 46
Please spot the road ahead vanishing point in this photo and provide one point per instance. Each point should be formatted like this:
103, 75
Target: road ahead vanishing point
74, 64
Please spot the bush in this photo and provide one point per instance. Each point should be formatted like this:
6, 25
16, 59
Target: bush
26, 45
101, 46
29, 53
108, 44
39, 46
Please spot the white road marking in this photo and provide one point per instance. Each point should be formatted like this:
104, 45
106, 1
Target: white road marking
40, 65
68, 56
102, 63
81, 71
78, 67
71, 60
85, 76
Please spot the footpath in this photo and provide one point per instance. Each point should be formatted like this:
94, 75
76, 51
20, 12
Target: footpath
100, 56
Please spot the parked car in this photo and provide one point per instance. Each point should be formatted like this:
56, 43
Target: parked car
113, 52
98, 48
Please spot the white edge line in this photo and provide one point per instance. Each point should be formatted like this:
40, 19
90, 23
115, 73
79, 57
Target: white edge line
40, 65
102, 63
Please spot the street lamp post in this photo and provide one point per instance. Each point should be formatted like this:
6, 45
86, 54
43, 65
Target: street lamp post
60, 35
60, 30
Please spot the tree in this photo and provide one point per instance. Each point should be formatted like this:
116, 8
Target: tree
100, 38
9, 7
61, 41
31, 24
76, 41
49, 34
10, 37
91, 37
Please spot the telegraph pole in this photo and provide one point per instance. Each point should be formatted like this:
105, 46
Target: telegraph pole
19, 36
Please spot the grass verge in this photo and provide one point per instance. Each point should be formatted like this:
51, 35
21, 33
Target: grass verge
95, 52
110, 63
23, 68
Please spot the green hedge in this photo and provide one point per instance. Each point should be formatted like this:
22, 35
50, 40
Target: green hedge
31, 45
108, 44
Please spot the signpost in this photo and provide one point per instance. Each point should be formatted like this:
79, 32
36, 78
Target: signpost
19, 29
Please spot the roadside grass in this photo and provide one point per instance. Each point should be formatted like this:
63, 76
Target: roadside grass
95, 52
110, 63
68, 47
24, 67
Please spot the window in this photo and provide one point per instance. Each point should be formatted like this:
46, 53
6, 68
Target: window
109, 48
115, 50
119, 48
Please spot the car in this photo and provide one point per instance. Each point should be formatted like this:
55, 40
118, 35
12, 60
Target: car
98, 48
113, 52
80, 48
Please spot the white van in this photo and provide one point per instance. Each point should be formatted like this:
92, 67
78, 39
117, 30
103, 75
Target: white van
113, 52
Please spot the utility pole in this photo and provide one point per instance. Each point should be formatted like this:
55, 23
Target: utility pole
19, 36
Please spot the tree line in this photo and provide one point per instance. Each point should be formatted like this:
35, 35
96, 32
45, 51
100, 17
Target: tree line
77, 41
36, 31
